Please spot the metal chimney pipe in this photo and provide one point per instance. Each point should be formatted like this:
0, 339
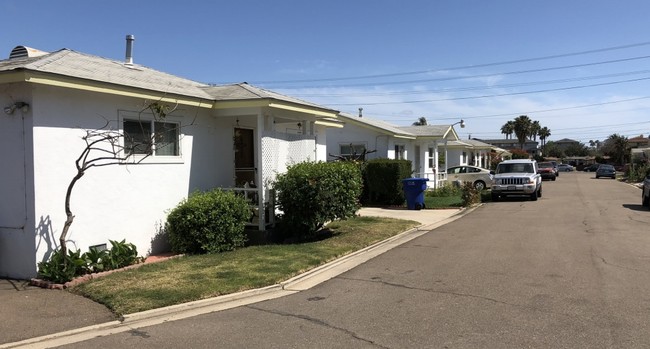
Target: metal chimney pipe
129, 49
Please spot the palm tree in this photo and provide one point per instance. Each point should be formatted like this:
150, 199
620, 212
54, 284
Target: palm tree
508, 128
543, 134
422, 121
522, 129
534, 130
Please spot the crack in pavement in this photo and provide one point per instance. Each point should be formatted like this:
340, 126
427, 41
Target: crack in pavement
620, 266
317, 322
469, 296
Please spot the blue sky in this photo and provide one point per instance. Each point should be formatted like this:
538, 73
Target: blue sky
579, 67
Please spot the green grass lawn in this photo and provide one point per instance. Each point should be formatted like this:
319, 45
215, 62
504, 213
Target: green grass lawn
443, 201
197, 277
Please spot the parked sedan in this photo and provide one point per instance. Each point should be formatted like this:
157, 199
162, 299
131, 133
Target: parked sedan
565, 168
480, 177
606, 171
546, 170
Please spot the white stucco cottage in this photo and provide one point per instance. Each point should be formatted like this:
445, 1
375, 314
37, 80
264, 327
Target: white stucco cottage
233, 136
420, 144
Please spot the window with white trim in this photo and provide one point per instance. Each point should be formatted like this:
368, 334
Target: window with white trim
431, 155
149, 137
353, 151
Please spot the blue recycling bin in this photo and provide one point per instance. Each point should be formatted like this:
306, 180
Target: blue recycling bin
414, 192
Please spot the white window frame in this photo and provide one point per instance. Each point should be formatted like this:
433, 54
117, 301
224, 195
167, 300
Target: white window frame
125, 115
354, 146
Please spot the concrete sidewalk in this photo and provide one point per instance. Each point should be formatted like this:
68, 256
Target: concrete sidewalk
40, 318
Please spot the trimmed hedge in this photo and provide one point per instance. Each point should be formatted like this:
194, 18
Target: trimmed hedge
312, 194
383, 178
208, 222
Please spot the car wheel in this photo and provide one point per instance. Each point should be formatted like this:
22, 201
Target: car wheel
597, 177
533, 196
539, 192
645, 200
553, 179
479, 185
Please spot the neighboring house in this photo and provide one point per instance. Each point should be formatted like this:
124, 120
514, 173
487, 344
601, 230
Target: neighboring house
232, 136
473, 152
530, 146
638, 142
565, 143
420, 144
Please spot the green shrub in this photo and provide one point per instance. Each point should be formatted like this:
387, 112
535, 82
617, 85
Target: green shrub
312, 194
383, 178
62, 268
120, 255
208, 222
470, 195
637, 172
95, 260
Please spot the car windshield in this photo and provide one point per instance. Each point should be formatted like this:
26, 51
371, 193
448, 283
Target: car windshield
513, 168
545, 164
606, 167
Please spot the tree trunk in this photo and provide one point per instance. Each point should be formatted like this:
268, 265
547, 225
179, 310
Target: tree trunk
68, 213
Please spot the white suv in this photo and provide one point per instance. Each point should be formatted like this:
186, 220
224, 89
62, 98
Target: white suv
517, 177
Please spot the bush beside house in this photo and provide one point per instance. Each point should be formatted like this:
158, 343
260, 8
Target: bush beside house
208, 222
312, 194
383, 178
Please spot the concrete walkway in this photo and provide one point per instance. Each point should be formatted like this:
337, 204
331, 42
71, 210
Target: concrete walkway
39, 318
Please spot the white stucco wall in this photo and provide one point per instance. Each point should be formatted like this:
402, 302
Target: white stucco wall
354, 134
119, 201
17, 244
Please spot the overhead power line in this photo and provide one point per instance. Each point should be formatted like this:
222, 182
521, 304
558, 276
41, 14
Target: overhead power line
496, 95
428, 71
470, 88
530, 111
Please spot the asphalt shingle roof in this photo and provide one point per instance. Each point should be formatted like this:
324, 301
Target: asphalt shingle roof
69, 63
427, 130
375, 123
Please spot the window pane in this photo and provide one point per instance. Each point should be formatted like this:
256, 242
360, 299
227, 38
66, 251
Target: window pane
137, 137
166, 138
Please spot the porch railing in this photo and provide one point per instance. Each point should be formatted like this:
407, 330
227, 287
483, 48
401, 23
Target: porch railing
263, 210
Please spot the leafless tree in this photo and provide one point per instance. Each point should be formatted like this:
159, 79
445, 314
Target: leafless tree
107, 147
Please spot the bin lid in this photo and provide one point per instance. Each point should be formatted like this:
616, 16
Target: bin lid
415, 180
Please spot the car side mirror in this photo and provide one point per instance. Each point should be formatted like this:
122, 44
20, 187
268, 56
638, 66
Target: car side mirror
492, 173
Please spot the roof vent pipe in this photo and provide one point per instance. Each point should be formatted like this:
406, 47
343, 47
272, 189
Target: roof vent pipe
129, 49
360, 112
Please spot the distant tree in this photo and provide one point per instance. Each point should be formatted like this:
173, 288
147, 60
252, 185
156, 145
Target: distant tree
519, 154
543, 134
422, 121
552, 150
616, 147
508, 129
535, 127
522, 129
576, 149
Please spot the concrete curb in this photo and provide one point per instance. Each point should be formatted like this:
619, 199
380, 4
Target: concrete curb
296, 284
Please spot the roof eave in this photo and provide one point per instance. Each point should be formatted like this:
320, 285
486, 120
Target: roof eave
274, 103
109, 88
